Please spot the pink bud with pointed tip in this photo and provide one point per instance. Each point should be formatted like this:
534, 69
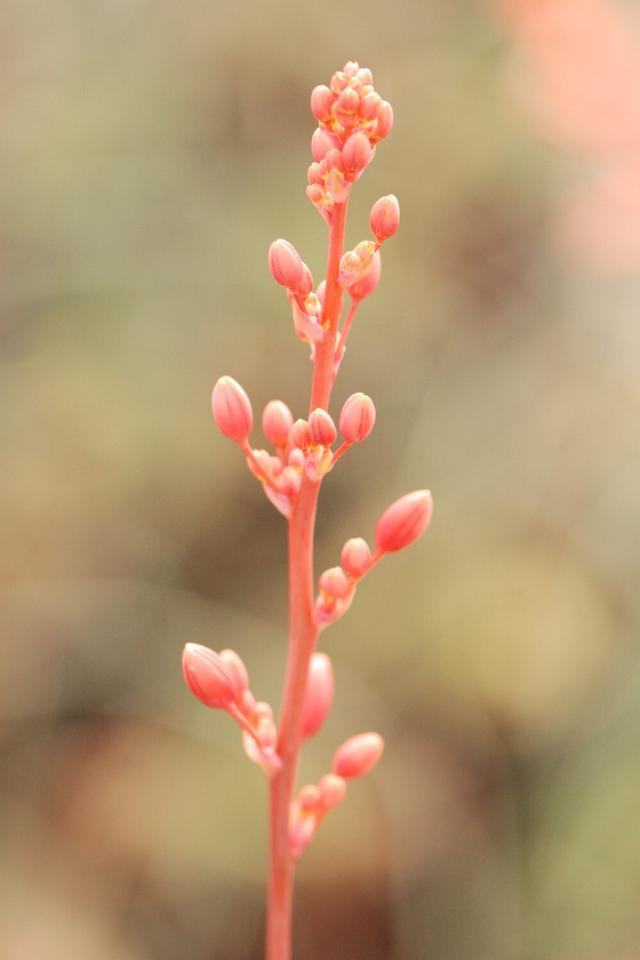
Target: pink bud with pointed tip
384, 120
404, 521
322, 99
277, 421
334, 583
321, 142
370, 105
322, 429
208, 677
299, 434
384, 218
356, 557
332, 790
234, 666
358, 755
318, 695
356, 152
285, 264
231, 409
367, 285
357, 418
309, 798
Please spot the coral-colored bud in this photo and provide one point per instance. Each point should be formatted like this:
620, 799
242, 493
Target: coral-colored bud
332, 790
285, 264
299, 434
365, 77
367, 285
334, 583
404, 521
322, 429
277, 421
321, 102
358, 755
321, 142
234, 666
356, 557
318, 696
357, 418
384, 218
369, 106
208, 677
348, 101
309, 798
231, 409
356, 152
385, 120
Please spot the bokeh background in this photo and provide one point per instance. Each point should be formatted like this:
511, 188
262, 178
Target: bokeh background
150, 151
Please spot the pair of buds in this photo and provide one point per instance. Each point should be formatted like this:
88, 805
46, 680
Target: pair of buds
357, 264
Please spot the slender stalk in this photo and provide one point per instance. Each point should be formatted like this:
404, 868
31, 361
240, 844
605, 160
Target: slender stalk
303, 631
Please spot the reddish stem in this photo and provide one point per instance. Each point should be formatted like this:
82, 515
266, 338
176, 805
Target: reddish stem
302, 627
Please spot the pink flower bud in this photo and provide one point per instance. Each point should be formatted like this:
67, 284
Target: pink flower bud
369, 106
358, 755
384, 218
357, 418
334, 583
356, 152
385, 120
208, 677
322, 429
367, 285
309, 798
332, 790
318, 696
285, 264
299, 434
235, 668
321, 102
321, 142
348, 101
277, 421
404, 521
231, 409
356, 557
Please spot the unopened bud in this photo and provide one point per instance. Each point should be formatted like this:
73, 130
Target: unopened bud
207, 676
299, 434
334, 583
231, 409
236, 670
318, 696
358, 755
384, 218
356, 152
356, 557
321, 142
277, 421
332, 790
285, 264
322, 429
321, 102
366, 286
404, 521
309, 798
384, 120
357, 418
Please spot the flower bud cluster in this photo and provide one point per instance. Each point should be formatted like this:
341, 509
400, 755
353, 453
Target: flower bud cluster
220, 680
354, 758
357, 264
290, 271
352, 119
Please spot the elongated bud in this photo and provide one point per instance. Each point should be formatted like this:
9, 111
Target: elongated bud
358, 755
285, 264
356, 153
384, 120
318, 696
321, 102
357, 418
235, 668
321, 142
334, 583
356, 557
207, 676
404, 521
322, 429
231, 409
332, 790
277, 421
384, 218
299, 434
367, 285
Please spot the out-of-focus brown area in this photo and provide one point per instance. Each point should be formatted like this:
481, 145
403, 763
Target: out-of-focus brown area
149, 153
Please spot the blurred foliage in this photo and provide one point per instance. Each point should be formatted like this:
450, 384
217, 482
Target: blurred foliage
150, 152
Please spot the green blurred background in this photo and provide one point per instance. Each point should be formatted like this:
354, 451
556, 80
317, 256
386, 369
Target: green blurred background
150, 152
